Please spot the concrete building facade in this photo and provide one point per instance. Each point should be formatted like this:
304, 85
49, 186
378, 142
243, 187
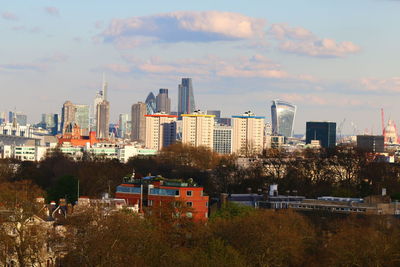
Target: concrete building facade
198, 129
138, 122
248, 134
160, 130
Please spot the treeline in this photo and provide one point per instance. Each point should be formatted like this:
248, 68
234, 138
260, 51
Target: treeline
341, 172
235, 236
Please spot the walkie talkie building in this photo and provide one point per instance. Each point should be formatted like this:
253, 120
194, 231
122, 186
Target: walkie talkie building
283, 115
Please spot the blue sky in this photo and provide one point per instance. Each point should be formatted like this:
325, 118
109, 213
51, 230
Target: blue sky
333, 59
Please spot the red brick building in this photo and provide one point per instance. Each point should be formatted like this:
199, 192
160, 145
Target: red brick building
155, 191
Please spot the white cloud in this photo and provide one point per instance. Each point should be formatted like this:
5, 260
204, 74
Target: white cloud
319, 48
282, 31
184, 26
298, 40
381, 85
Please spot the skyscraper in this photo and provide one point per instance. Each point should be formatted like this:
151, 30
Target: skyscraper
283, 115
103, 120
151, 104
75, 114
198, 129
100, 97
186, 104
82, 118
50, 122
163, 102
325, 132
138, 122
248, 134
123, 125
21, 119
67, 115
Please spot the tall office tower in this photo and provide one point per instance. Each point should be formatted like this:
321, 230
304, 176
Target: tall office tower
186, 104
222, 139
138, 122
21, 119
67, 115
100, 97
50, 122
3, 117
163, 102
151, 104
82, 114
160, 130
324, 132
283, 115
248, 134
103, 120
198, 129
123, 120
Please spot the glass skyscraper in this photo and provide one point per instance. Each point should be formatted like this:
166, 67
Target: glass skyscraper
283, 115
186, 104
151, 104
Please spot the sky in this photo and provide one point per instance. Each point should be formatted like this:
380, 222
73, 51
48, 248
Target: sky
336, 60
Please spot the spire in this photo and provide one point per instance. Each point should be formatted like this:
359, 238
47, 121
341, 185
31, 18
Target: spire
104, 89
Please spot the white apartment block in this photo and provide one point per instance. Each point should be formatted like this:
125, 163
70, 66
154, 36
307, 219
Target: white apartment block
160, 130
248, 134
198, 129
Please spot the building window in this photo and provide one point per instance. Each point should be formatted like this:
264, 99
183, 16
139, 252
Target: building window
189, 214
206, 204
149, 202
189, 193
189, 204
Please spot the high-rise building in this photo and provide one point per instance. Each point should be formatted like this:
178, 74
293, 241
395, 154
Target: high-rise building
222, 139
67, 115
3, 117
198, 129
283, 115
75, 114
163, 102
151, 104
186, 104
50, 122
123, 120
103, 120
100, 97
138, 122
160, 130
371, 143
82, 114
22, 119
248, 134
324, 132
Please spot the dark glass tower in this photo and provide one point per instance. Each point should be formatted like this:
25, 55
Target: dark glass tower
186, 104
325, 132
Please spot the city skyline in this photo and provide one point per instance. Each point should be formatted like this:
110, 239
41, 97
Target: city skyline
331, 67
